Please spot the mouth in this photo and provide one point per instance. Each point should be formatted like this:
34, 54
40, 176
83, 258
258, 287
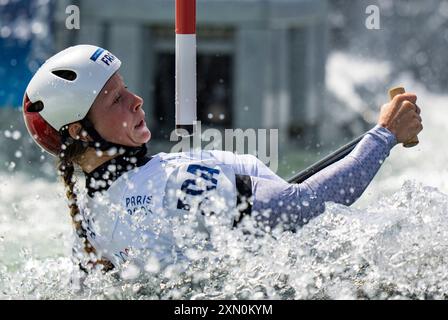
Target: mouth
140, 124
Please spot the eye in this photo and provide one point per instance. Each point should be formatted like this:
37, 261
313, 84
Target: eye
117, 99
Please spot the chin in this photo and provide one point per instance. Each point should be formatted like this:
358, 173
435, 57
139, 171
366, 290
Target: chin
144, 137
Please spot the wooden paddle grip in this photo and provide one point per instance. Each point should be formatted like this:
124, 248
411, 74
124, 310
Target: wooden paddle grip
392, 93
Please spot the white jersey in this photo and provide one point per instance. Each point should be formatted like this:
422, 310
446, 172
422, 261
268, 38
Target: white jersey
152, 209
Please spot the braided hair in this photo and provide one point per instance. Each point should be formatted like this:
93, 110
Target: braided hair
71, 152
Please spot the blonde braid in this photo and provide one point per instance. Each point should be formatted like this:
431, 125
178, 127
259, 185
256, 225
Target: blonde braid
66, 170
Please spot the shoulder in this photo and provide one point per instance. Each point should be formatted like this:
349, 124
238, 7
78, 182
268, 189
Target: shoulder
193, 155
230, 158
218, 156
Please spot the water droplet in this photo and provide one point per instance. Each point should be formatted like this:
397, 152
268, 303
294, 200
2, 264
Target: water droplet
152, 265
37, 27
130, 272
18, 154
111, 152
5, 32
16, 135
11, 166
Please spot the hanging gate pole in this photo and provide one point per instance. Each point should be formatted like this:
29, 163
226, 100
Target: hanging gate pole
185, 66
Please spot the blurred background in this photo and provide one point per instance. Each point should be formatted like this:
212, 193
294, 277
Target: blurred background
316, 70
261, 64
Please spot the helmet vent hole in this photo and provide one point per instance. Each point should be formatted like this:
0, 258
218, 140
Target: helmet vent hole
65, 74
35, 107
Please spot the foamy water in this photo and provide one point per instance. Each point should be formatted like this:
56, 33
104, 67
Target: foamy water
391, 244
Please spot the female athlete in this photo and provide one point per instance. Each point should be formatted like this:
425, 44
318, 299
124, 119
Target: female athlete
78, 108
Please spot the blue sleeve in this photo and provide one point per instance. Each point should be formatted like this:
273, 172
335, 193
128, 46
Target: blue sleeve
343, 182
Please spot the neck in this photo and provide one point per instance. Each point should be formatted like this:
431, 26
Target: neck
89, 161
99, 175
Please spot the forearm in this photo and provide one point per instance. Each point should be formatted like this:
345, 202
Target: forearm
343, 182
346, 180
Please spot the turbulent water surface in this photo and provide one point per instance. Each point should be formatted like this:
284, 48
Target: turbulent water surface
393, 243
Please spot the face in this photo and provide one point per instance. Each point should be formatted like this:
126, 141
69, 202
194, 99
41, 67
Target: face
118, 116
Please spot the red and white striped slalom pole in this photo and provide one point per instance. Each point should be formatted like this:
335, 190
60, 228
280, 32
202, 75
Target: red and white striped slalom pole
185, 66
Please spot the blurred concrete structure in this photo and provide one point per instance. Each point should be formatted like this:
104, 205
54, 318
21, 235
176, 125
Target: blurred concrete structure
275, 54
413, 35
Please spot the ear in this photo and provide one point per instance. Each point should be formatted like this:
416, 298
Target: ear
77, 132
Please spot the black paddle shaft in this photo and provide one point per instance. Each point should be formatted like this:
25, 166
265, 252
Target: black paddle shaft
325, 162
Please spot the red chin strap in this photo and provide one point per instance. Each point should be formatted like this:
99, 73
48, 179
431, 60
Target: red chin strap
43, 134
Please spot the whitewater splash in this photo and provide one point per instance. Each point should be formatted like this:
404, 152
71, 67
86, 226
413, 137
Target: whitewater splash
392, 244
394, 249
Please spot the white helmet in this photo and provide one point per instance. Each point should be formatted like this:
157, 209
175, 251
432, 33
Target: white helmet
63, 90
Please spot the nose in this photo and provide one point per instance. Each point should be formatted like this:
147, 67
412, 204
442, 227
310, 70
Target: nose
137, 103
